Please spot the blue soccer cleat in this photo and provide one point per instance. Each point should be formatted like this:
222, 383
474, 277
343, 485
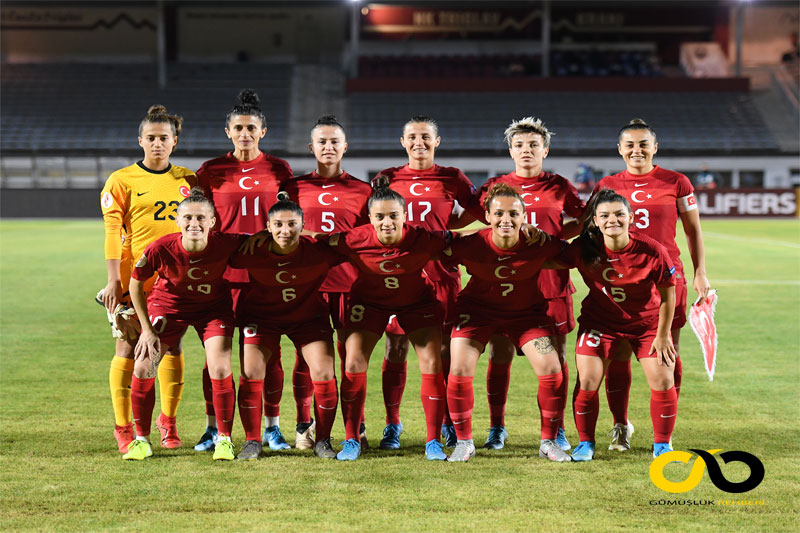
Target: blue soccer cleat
274, 439
561, 440
497, 438
449, 435
351, 449
391, 437
208, 441
434, 451
661, 447
583, 451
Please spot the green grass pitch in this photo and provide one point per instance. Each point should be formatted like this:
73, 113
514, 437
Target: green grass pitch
59, 468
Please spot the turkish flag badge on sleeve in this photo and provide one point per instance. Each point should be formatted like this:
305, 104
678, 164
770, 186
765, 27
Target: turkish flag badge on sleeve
701, 318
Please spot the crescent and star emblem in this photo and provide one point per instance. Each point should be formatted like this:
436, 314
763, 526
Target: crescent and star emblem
415, 193
637, 200
606, 274
190, 273
321, 198
243, 185
383, 268
498, 272
279, 274
523, 198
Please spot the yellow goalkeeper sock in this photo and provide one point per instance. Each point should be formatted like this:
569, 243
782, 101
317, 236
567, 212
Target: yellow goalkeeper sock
170, 382
119, 381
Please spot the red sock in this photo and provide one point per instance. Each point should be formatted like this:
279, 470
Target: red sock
303, 389
340, 349
446, 374
498, 377
551, 403
587, 404
224, 404
273, 386
461, 399
434, 402
143, 400
663, 412
618, 389
354, 393
249, 400
326, 396
575, 391
678, 375
564, 389
394, 384
207, 395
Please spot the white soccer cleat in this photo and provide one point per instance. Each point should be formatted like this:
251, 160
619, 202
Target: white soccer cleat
621, 437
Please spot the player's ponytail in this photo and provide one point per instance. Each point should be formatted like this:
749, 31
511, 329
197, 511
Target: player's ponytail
157, 114
197, 196
247, 104
502, 189
382, 192
285, 203
591, 238
636, 124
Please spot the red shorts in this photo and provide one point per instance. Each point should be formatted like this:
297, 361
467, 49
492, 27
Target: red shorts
599, 342
238, 292
337, 306
171, 327
374, 319
560, 312
446, 291
681, 294
269, 333
482, 324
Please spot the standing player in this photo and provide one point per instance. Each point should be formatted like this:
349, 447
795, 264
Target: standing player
190, 291
285, 299
497, 300
659, 198
431, 193
629, 307
547, 198
243, 184
390, 256
139, 204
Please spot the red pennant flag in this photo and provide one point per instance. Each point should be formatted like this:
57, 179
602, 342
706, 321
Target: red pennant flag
701, 318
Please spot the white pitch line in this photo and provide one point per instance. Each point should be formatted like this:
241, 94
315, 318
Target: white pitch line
755, 282
725, 236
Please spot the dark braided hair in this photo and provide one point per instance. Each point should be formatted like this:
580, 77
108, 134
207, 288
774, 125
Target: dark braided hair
285, 203
636, 124
247, 104
591, 238
328, 120
381, 192
157, 114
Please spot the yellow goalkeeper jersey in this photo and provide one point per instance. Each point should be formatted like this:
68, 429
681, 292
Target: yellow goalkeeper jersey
139, 206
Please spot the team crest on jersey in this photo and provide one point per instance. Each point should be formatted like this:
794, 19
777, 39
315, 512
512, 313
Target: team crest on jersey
142, 261
107, 200
184, 191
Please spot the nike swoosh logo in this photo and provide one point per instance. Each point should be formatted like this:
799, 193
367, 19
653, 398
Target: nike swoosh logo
458, 423
504, 258
222, 326
387, 254
561, 323
668, 416
555, 419
610, 391
141, 193
193, 261
249, 407
612, 260
326, 408
427, 316
274, 391
582, 413
284, 264
639, 184
328, 186
415, 177
528, 186
438, 399
245, 170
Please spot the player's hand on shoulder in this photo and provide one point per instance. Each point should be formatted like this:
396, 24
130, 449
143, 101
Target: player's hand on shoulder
254, 241
534, 235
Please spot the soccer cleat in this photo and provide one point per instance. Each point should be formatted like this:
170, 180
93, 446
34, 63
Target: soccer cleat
583, 451
464, 451
304, 440
138, 450
561, 440
391, 437
324, 449
551, 450
169, 431
250, 451
274, 439
661, 447
207, 441
497, 438
223, 451
351, 449
621, 437
124, 436
434, 451
362, 436
449, 435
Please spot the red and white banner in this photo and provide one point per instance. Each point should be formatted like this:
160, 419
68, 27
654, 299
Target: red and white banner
747, 202
701, 318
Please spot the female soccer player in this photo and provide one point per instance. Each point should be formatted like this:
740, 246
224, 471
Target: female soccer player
285, 299
659, 197
630, 306
139, 204
190, 291
332, 200
243, 184
547, 198
390, 256
432, 194
497, 300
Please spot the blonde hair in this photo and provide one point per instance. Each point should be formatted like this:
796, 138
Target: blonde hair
502, 189
528, 125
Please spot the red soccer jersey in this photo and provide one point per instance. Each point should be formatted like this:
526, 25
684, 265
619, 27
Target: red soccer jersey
188, 281
503, 281
285, 288
431, 196
390, 276
657, 198
547, 197
332, 205
623, 287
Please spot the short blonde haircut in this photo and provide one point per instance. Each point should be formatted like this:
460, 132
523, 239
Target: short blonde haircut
528, 125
